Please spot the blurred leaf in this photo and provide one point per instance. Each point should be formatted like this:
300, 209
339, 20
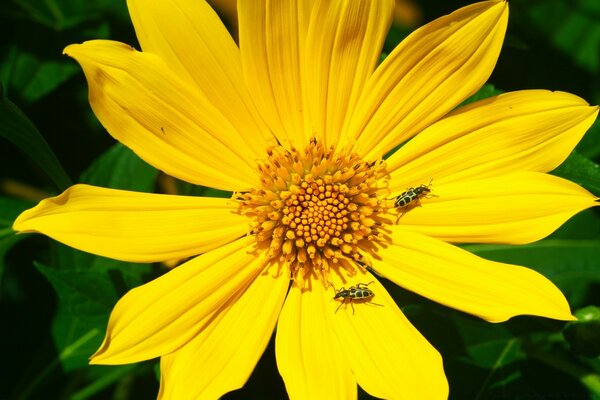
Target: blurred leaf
121, 168
60, 15
590, 144
585, 225
19, 130
487, 346
188, 189
32, 78
571, 264
573, 27
9, 210
580, 170
583, 335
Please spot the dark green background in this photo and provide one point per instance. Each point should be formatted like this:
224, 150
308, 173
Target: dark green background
55, 301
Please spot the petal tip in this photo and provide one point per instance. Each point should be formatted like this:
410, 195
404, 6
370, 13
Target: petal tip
69, 49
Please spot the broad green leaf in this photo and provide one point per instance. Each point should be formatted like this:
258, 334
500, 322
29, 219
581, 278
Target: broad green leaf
121, 168
571, 264
581, 170
487, 346
32, 78
87, 293
19, 130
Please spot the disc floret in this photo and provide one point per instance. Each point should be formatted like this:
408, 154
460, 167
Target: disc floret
316, 208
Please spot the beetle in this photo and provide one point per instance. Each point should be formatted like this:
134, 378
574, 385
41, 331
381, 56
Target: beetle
412, 195
358, 292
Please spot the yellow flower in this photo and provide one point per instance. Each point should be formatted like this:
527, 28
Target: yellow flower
296, 121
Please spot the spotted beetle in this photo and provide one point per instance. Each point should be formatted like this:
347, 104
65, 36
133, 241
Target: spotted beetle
358, 292
412, 195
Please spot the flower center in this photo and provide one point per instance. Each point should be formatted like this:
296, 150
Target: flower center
317, 209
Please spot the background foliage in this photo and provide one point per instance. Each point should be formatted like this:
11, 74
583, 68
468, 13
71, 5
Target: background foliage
55, 301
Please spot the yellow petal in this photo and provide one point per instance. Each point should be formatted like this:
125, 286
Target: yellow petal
342, 49
427, 75
456, 278
388, 356
191, 39
515, 208
130, 226
309, 359
533, 130
161, 316
272, 35
146, 106
222, 356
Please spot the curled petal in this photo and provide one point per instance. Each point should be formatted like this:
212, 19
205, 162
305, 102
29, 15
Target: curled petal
427, 75
163, 315
531, 130
456, 278
149, 108
515, 208
131, 226
222, 356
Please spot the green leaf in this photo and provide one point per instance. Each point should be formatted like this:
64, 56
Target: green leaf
583, 335
571, 264
59, 15
87, 293
580, 170
19, 130
121, 168
24, 73
487, 346
590, 144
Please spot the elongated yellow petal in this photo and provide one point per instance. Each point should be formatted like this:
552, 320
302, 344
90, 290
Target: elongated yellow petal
515, 208
146, 106
222, 356
161, 316
342, 48
532, 130
427, 75
272, 36
458, 279
309, 358
191, 39
388, 356
130, 226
